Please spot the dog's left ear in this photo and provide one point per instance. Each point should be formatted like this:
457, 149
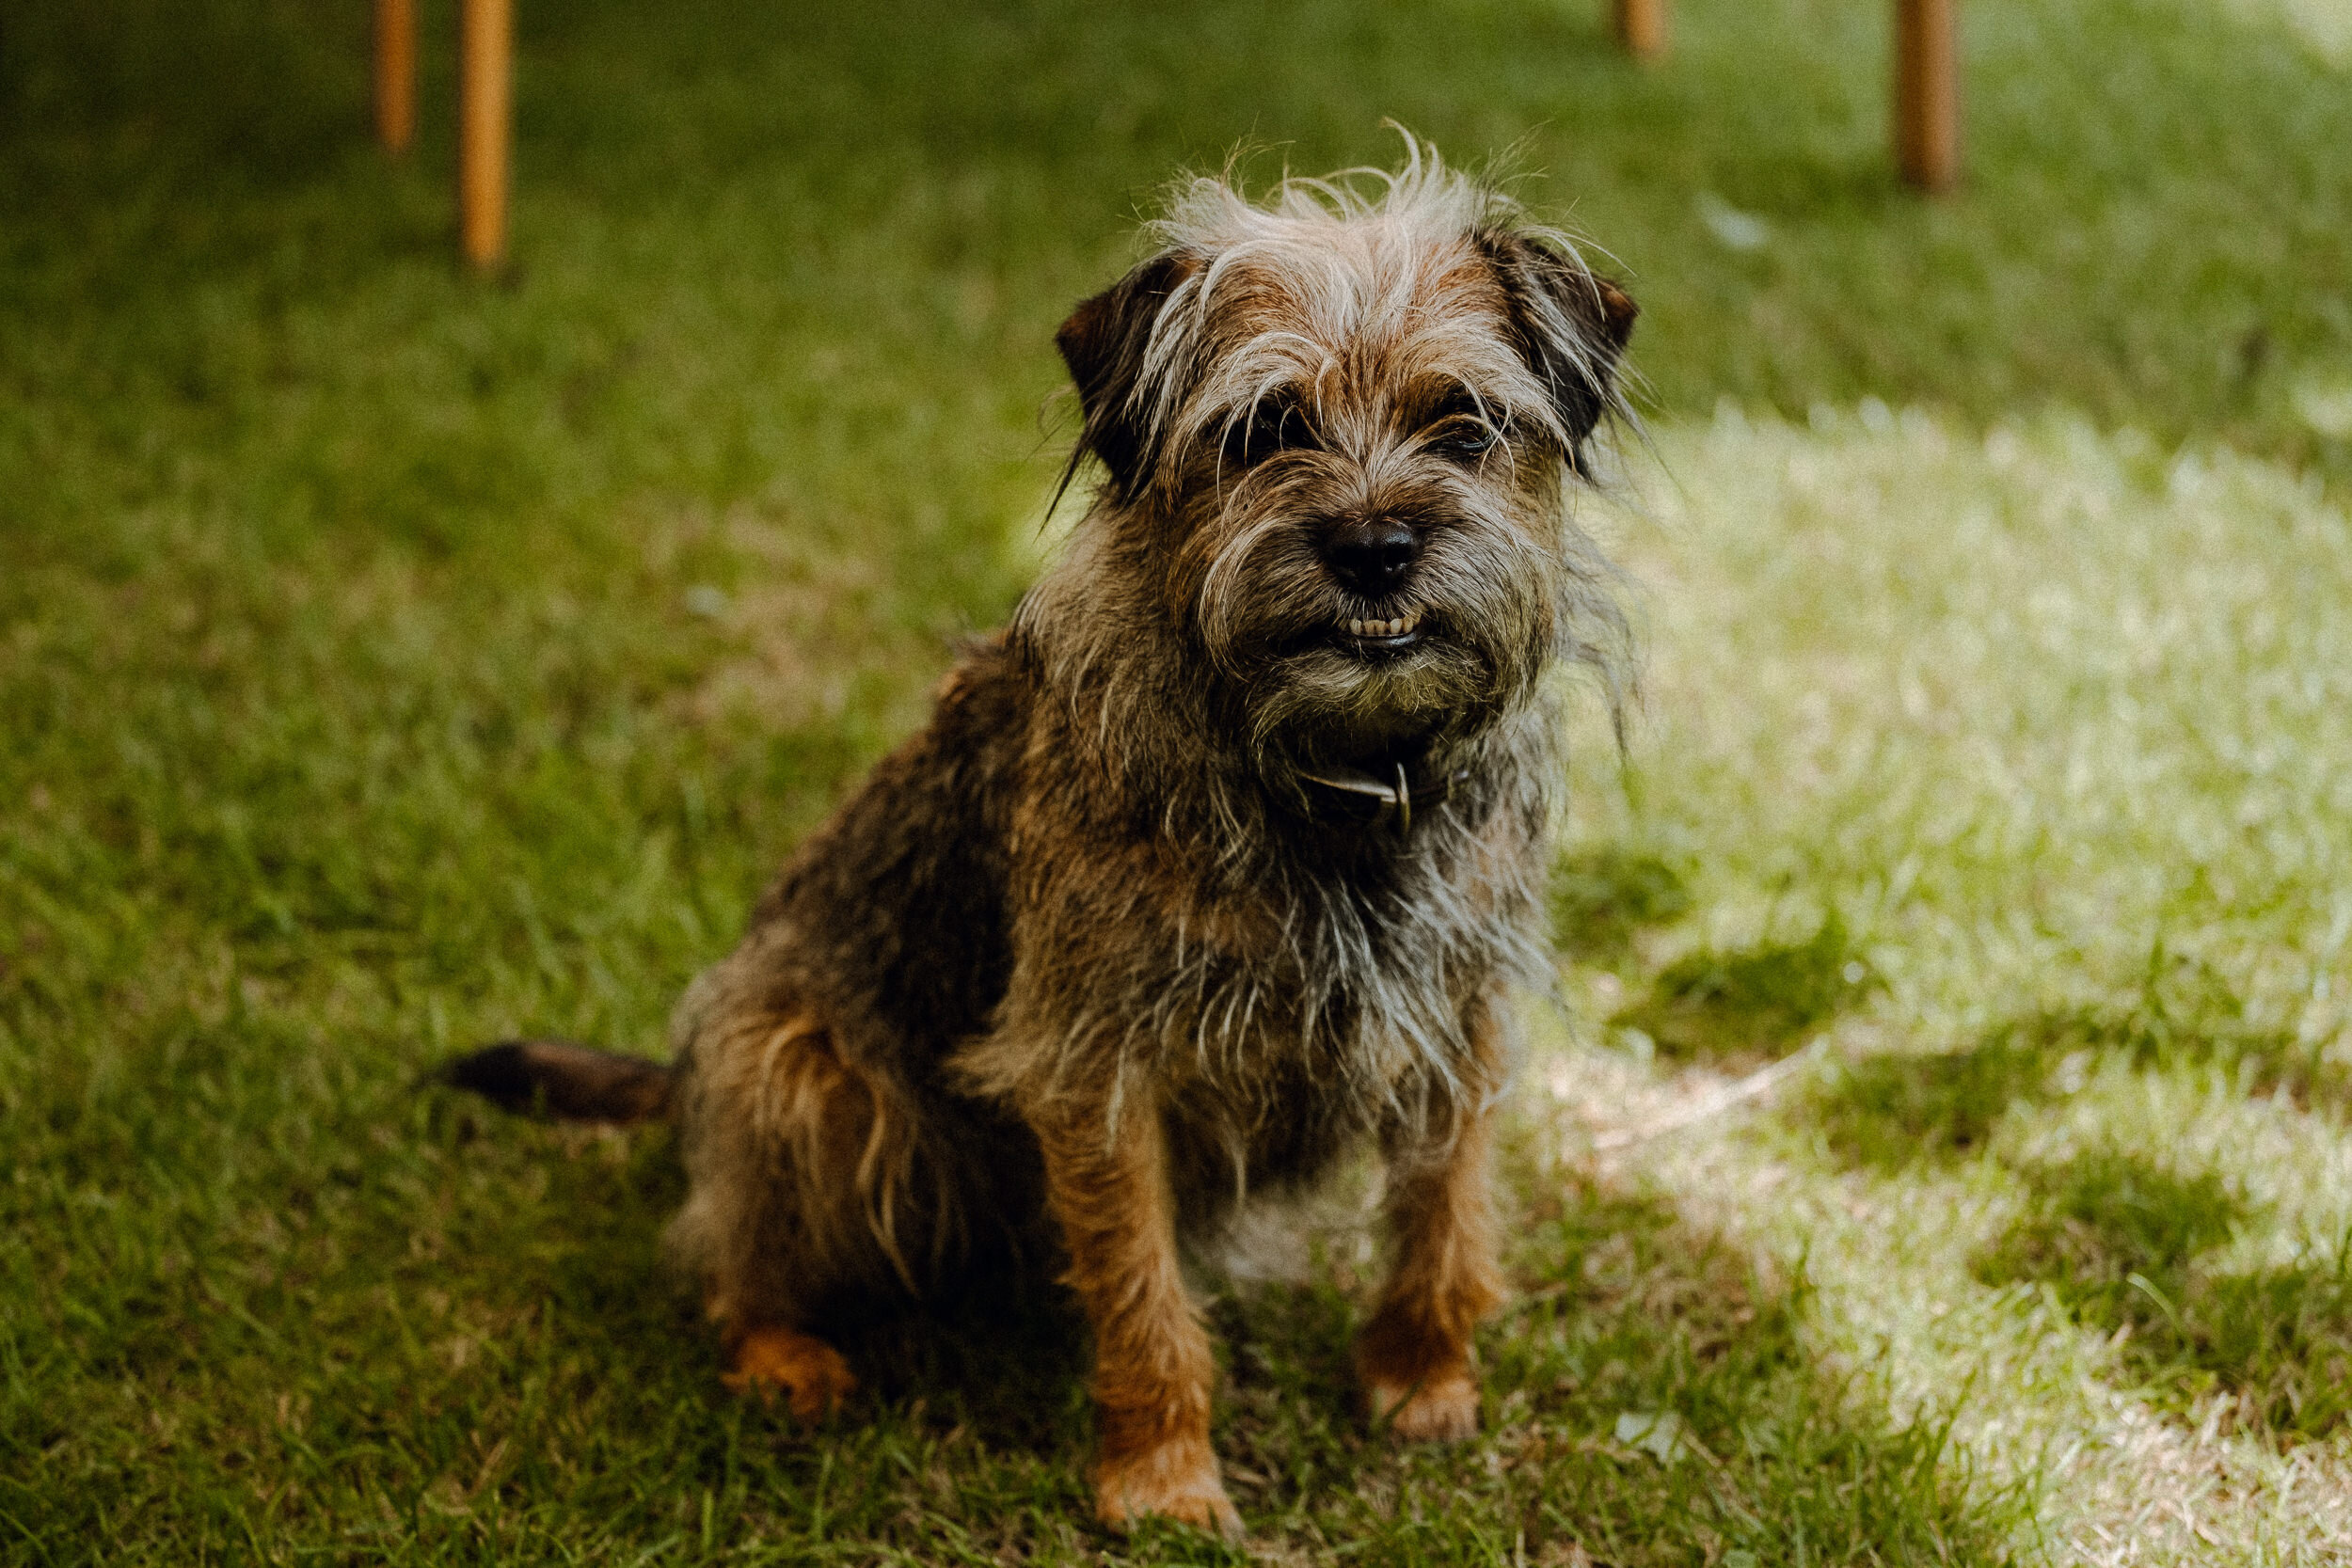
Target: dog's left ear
1103, 342
1571, 326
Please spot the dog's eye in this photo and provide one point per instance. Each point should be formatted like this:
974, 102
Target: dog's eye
1459, 428
1275, 425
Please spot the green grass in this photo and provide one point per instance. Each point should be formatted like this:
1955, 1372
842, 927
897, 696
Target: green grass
2046, 728
1889, 1109
390, 661
1760, 997
1602, 897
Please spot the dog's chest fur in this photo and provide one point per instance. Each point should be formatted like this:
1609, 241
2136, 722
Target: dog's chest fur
1013, 921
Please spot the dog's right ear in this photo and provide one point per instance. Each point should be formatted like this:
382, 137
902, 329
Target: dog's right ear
1104, 342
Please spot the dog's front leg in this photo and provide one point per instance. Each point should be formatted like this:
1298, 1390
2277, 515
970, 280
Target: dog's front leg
1108, 1184
1414, 1357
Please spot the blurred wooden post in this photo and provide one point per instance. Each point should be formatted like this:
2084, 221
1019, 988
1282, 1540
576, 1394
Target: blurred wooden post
485, 111
1926, 93
1642, 27
395, 73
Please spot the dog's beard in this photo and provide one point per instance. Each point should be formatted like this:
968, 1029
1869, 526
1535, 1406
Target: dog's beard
1310, 693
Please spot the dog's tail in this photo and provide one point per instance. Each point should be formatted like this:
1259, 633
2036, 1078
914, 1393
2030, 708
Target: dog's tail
572, 1083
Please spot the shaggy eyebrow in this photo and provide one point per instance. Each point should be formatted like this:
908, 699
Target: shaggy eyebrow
1281, 403
1448, 399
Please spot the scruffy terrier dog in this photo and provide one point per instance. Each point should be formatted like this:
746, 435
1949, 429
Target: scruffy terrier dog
1213, 866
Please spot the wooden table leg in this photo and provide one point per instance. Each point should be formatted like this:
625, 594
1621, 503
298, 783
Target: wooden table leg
1926, 93
1642, 27
395, 73
485, 115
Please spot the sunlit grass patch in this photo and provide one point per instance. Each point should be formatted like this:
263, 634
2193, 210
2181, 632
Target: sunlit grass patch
2053, 723
2017, 708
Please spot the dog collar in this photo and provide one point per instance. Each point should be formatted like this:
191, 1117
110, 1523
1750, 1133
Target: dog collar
1369, 800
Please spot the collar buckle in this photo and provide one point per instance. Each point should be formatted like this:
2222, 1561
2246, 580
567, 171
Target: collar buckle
1375, 802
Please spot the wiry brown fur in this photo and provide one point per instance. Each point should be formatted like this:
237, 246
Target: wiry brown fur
1094, 956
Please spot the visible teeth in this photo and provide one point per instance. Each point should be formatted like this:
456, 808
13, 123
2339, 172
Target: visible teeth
1397, 627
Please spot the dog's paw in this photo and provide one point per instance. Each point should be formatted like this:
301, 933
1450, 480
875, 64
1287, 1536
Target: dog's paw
808, 1373
1175, 1480
1441, 1408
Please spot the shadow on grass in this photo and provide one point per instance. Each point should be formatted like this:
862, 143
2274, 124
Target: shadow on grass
1650, 1400
1892, 1111
1602, 898
2120, 1242
1722, 1003
1002, 1359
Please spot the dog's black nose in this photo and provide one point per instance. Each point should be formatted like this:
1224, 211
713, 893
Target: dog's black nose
1372, 557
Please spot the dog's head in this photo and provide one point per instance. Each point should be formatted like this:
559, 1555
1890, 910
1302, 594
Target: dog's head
1337, 431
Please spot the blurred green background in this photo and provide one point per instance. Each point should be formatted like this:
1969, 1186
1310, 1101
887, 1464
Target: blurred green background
754, 245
